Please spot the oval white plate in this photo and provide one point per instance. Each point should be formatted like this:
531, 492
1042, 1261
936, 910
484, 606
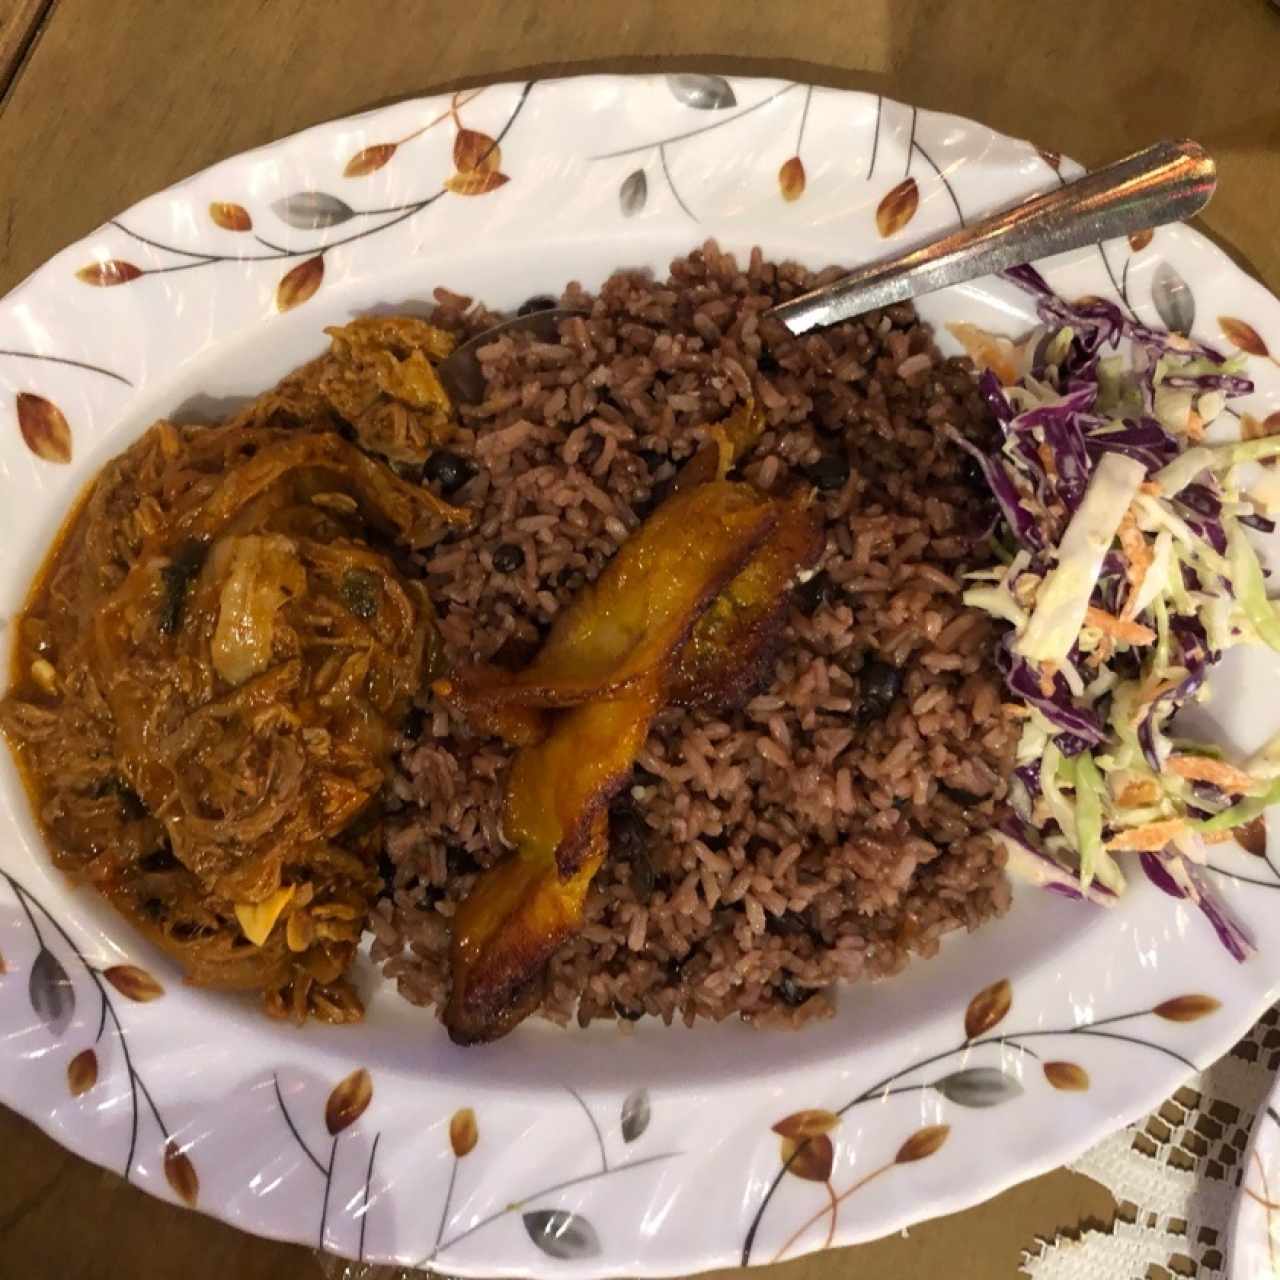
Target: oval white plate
595, 1153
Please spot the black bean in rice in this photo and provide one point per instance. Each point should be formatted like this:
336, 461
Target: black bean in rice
835, 824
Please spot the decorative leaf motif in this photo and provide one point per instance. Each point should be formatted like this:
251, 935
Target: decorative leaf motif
1251, 836
635, 1114
806, 1124
810, 1158
1052, 158
349, 1100
1070, 1077
1138, 240
180, 1174
463, 1133
298, 285
82, 1072
105, 274
230, 217
562, 1235
978, 1087
987, 1008
43, 427
633, 193
133, 983
791, 179
312, 210
477, 183
706, 93
369, 160
922, 1144
53, 998
1174, 302
1187, 1008
475, 152
898, 207
1243, 335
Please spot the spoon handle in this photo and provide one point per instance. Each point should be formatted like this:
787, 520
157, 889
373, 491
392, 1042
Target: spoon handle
1163, 183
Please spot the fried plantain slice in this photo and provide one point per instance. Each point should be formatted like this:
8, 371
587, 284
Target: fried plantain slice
635, 615
686, 613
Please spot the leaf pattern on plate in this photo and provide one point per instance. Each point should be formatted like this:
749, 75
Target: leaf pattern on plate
478, 183
922, 1144
44, 427
1250, 836
561, 1234
312, 210
809, 1158
180, 1174
1187, 1008
475, 152
53, 998
1243, 335
477, 159
112, 272
704, 92
369, 160
1174, 302
1070, 1077
979, 1087
463, 1133
635, 1114
791, 179
133, 983
348, 1101
633, 193
82, 1072
806, 1124
987, 1008
298, 285
230, 216
1138, 240
897, 207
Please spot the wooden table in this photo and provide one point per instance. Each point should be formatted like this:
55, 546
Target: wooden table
104, 101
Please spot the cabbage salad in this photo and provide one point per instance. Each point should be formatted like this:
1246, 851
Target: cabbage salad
1125, 573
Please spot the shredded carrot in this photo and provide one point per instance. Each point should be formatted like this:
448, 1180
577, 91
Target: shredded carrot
1001, 355
1147, 694
1152, 487
1149, 839
1120, 628
1138, 791
1195, 427
1047, 461
1047, 671
1015, 709
1206, 769
1138, 560
1218, 837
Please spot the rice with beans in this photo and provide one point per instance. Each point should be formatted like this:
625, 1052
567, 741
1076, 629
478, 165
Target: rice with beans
836, 823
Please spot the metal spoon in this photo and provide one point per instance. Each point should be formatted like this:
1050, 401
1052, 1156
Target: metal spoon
1163, 183
460, 371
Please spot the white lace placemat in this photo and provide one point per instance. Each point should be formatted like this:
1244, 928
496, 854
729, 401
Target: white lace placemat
1174, 1176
